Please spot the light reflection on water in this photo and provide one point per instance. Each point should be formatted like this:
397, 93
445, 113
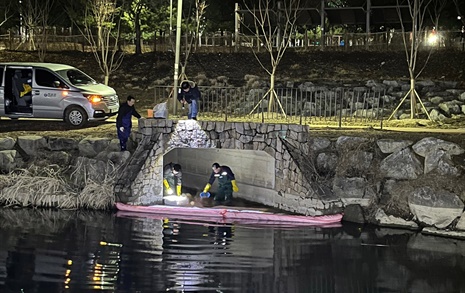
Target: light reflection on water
64, 251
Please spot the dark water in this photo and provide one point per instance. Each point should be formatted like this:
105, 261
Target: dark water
59, 251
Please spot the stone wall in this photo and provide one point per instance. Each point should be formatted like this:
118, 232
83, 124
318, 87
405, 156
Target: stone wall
401, 183
97, 157
388, 182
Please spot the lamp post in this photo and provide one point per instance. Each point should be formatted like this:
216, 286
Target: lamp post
171, 17
20, 21
176, 57
462, 33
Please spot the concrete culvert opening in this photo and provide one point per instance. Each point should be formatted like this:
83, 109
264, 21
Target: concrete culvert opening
254, 172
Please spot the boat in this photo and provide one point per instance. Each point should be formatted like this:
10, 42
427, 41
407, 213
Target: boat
229, 215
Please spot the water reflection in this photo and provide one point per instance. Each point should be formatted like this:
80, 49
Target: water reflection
58, 251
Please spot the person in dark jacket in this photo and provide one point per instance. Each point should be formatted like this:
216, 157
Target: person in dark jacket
172, 176
226, 183
189, 94
124, 121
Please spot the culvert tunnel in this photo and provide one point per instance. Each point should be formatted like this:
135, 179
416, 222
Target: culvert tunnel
254, 170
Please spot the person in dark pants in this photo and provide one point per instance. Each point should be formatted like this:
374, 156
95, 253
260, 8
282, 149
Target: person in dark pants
226, 183
123, 121
172, 176
189, 94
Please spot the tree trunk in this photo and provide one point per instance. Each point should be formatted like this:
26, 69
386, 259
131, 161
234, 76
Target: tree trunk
138, 35
413, 99
271, 93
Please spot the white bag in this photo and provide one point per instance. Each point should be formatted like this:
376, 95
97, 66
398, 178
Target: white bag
160, 111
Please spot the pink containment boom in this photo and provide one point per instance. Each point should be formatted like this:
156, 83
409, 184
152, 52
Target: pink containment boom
231, 214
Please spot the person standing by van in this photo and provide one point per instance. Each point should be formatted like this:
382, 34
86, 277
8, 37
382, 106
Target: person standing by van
124, 121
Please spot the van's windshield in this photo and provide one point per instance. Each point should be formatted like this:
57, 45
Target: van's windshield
76, 77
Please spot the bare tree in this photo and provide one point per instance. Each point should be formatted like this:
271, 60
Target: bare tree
7, 14
43, 24
104, 17
417, 9
194, 25
35, 15
435, 12
273, 30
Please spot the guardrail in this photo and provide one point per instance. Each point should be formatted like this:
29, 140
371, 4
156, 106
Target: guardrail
311, 105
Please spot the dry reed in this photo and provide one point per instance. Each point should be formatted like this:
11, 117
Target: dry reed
52, 187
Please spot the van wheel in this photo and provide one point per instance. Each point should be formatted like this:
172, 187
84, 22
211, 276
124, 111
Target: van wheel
76, 116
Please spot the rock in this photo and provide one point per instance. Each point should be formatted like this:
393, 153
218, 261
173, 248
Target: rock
443, 233
346, 143
32, 144
113, 146
318, 143
8, 160
462, 96
354, 213
390, 221
450, 108
428, 145
118, 158
435, 115
389, 146
386, 192
401, 165
326, 163
392, 83
357, 161
436, 208
441, 162
353, 190
90, 169
425, 83
436, 100
61, 158
461, 223
61, 144
7, 143
91, 147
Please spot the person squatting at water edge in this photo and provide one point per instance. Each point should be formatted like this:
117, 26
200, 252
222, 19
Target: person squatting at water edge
189, 94
124, 121
172, 177
226, 183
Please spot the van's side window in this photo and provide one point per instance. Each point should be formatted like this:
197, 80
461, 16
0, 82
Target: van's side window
48, 79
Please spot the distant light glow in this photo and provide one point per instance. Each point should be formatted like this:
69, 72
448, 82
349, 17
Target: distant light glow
432, 39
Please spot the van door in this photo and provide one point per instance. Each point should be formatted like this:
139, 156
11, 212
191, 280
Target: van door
49, 94
18, 91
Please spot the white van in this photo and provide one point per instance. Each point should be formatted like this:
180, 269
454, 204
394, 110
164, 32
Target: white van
49, 90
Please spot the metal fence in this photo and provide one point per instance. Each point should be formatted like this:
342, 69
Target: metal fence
228, 42
310, 105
